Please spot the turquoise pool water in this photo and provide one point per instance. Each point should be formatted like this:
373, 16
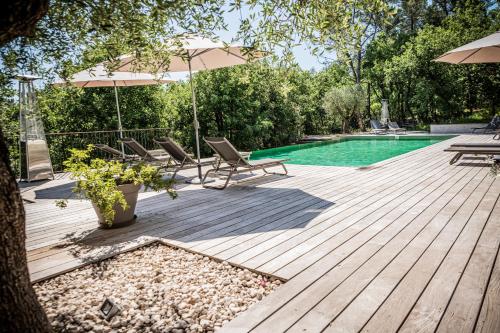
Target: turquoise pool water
352, 151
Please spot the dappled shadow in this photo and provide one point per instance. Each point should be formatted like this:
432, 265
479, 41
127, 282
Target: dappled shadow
24, 185
62, 191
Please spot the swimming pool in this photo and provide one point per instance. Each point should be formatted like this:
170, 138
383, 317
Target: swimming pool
348, 151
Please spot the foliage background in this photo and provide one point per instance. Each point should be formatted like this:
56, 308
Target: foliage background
271, 103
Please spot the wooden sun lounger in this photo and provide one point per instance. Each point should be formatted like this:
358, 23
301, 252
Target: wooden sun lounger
115, 153
146, 155
394, 127
235, 161
179, 158
479, 145
472, 150
377, 127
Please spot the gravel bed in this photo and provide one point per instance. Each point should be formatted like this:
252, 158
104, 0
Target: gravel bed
159, 288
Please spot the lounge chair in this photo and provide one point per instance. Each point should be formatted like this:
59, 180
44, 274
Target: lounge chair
472, 150
115, 153
477, 145
394, 127
236, 162
377, 127
492, 126
179, 157
146, 155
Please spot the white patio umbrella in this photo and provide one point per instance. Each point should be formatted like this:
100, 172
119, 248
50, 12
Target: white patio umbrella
484, 50
195, 54
99, 77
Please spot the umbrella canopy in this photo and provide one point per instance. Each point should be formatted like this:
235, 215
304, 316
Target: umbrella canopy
99, 77
193, 54
484, 50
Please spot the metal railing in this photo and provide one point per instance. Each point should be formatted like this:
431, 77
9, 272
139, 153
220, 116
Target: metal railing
60, 143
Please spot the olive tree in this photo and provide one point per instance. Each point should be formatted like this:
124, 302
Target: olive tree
344, 104
60, 36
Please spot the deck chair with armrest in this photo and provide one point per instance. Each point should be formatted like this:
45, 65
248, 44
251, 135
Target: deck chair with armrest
235, 162
488, 151
179, 158
146, 155
394, 127
115, 153
377, 127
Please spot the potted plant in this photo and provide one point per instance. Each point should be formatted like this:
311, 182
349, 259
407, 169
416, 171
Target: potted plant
112, 186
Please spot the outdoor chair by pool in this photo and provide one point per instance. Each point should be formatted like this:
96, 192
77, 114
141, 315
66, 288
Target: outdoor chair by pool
180, 159
477, 145
488, 151
146, 155
492, 126
394, 127
377, 127
235, 162
115, 153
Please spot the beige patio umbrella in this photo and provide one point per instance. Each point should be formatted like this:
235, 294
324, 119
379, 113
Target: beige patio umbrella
99, 77
484, 50
195, 54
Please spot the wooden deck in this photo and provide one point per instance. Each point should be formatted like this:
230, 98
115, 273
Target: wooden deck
409, 244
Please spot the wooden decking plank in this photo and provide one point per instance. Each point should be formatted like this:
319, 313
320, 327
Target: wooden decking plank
248, 242
489, 318
344, 298
469, 221
179, 220
43, 244
353, 225
298, 306
224, 241
422, 308
300, 263
184, 213
353, 220
463, 310
320, 274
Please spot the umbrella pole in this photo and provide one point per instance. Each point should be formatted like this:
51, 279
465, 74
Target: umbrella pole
196, 124
120, 129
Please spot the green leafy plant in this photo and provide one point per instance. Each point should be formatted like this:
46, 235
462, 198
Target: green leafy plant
98, 180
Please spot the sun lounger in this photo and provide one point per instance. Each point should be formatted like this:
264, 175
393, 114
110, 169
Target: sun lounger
487, 145
146, 155
492, 126
377, 127
117, 155
235, 162
462, 150
179, 157
394, 127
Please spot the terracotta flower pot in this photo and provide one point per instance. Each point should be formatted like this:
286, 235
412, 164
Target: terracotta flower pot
122, 217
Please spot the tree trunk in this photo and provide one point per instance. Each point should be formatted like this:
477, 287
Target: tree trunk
20, 310
19, 17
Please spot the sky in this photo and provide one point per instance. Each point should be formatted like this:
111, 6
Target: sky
302, 54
